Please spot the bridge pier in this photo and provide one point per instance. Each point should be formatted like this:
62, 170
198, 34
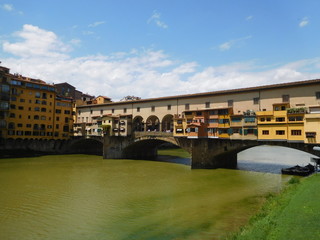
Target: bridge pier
212, 153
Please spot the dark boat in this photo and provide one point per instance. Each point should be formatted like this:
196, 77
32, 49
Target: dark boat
298, 170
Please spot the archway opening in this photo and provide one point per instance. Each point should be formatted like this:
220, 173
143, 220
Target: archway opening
167, 123
153, 124
138, 125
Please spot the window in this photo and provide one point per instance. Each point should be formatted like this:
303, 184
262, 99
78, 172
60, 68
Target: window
12, 115
169, 107
37, 101
280, 132
91, 111
249, 119
187, 106
101, 111
37, 109
36, 117
236, 119
57, 126
43, 109
265, 132
296, 132
213, 121
57, 118
138, 109
213, 112
262, 119
153, 108
230, 103
125, 110
317, 95
38, 95
19, 124
43, 117
285, 98
20, 107
44, 102
207, 104
256, 100
199, 113
58, 110
179, 121
66, 120
44, 95
268, 119
22, 100
280, 119
28, 125
112, 110
67, 112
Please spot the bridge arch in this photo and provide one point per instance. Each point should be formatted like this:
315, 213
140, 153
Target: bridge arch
85, 146
153, 123
167, 123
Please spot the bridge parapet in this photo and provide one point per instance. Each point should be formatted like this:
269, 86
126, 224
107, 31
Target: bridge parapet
152, 134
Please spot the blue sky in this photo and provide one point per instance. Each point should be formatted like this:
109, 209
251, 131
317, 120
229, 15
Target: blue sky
153, 48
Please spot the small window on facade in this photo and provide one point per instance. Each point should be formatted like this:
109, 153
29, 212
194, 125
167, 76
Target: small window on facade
296, 132
280, 132
285, 98
187, 106
265, 132
317, 95
169, 107
207, 105
230, 103
91, 111
138, 109
153, 108
125, 110
112, 110
256, 100
101, 111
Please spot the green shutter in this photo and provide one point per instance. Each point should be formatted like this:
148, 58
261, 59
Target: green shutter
245, 131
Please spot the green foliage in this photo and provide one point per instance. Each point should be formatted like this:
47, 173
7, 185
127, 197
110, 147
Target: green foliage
294, 214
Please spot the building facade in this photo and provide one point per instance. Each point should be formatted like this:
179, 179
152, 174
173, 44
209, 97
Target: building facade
279, 112
33, 110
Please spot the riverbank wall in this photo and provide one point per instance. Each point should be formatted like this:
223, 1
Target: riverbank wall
33, 147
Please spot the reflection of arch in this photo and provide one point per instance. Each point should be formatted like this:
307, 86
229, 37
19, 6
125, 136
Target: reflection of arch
167, 123
153, 123
138, 124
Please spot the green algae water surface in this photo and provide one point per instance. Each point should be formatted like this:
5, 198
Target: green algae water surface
86, 197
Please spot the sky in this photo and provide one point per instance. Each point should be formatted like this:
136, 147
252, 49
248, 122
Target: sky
156, 48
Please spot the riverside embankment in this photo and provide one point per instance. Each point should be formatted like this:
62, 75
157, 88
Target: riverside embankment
293, 214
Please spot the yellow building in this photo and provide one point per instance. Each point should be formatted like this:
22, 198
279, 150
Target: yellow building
35, 111
4, 101
282, 123
312, 125
63, 118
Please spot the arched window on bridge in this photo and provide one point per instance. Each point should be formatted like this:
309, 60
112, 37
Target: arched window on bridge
138, 124
167, 123
153, 123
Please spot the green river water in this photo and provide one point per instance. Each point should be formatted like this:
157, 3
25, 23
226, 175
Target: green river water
86, 197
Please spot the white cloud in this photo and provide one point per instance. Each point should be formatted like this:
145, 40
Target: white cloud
156, 19
36, 42
143, 73
304, 22
235, 42
249, 18
7, 7
95, 24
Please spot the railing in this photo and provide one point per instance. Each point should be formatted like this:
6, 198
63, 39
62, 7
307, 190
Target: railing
152, 134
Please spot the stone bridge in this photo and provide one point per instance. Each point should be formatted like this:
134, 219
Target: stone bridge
205, 152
